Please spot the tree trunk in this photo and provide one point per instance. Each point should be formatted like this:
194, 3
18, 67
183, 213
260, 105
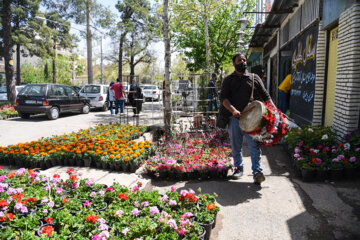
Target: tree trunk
167, 92
54, 64
132, 58
18, 64
121, 44
89, 44
207, 45
46, 70
8, 45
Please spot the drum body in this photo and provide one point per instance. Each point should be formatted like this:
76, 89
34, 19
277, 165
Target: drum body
252, 118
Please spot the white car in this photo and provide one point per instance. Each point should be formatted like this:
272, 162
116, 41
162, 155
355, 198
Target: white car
96, 93
3, 92
151, 92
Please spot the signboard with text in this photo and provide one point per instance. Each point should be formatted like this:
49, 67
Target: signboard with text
303, 76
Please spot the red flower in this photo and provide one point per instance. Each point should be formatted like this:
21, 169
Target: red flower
10, 216
91, 219
2, 219
65, 200
47, 230
139, 184
32, 200
123, 196
210, 206
70, 170
109, 189
56, 176
3, 203
49, 220
1, 167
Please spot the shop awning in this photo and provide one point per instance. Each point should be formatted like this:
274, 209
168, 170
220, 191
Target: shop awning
279, 11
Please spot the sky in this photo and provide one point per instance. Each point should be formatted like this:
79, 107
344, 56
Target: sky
158, 48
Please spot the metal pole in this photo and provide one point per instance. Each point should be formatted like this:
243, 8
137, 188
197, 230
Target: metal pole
101, 63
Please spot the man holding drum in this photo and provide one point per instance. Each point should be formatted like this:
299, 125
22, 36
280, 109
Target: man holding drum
236, 92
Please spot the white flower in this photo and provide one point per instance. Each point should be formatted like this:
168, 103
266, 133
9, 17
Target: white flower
347, 146
310, 130
316, 150
324, 137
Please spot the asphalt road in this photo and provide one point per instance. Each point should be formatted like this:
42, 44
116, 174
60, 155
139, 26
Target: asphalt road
283, 207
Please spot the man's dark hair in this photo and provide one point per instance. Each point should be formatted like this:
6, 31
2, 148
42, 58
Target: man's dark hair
118, 79
213, 75
236, 55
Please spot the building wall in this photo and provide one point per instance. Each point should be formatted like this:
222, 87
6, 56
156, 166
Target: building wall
347, 92
320, 76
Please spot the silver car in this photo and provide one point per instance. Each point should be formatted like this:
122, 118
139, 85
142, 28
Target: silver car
151, 92
3, 92
96, 93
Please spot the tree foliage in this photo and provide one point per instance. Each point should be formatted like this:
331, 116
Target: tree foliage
188, 31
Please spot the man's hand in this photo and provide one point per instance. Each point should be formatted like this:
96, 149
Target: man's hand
236, 114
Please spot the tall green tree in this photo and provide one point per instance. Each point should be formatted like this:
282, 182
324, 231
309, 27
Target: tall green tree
88, 12
138, 27
23, 13
58, 34
189, 32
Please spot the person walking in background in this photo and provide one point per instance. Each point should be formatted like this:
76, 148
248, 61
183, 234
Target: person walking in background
212, 94
235, 96
119, 96
110, 98
284, 89
135, 97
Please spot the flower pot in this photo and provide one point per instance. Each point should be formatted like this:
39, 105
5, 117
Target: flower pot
104, 165
172, 175
79, 163
126, 167
133, 167
102, 209
151, 174
204, 175
202, 236
71, 162
87, 162
297, 171
48, 164
224, 173
207, 228
214, 173
321, 175
336, 174
66, 162
43, 166
54, 162
214, 224
308, 175
98, 164
350, 173
163, 174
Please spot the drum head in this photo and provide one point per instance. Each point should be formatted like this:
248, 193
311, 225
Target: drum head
252, 116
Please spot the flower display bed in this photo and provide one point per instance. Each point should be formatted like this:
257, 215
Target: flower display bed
191, 156
318, 156
106, 146
7, 111
37, 207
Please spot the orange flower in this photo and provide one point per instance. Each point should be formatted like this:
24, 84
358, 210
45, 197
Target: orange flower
3, 203
10, 175
211, 206
65, 201
126, 159
10, 216
74, 178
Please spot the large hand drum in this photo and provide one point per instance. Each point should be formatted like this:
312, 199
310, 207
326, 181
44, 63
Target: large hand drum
251, 118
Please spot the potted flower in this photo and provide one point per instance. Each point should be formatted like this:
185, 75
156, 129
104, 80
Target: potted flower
308, 172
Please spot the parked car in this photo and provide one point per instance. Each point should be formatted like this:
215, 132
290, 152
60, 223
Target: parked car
96, 93
3, 92
51, 99
151, 92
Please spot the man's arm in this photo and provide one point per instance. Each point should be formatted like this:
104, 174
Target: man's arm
235, 113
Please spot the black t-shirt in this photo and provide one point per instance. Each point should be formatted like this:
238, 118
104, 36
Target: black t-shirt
237, 89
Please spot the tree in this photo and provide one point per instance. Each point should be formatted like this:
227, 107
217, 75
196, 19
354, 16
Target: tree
8, 46
167, 92
85, 11
59, 30
23, 13
137, 20
189, 32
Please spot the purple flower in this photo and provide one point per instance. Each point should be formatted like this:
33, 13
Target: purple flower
43, 179
296, 155
44, 200
101, 193
154, 210
352, 159
135, 212
136, 203
45, 210
297, 150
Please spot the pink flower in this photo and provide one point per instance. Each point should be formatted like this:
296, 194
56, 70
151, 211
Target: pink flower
58, 190
125, 231
135, 212
145, 204
172, 203
173, 189
154, 210
172, 223
109, 189
352, 159
164, 198
301, 143
87, 203
181, 232
119, 213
